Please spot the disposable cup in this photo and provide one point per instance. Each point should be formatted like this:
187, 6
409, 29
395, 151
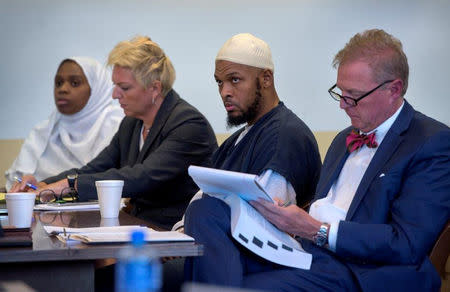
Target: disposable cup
109, 193
20, 209
109, 222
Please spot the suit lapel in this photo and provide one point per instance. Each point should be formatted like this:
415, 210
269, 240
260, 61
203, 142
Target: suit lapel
335, 169
134, 147
160, 120
390, 143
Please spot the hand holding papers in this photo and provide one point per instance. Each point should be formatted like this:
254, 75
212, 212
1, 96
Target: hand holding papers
116, 234
248, 226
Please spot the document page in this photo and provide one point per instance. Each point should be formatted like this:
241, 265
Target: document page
115, 234
260, 236
107, 229
149, 236
67, 206
222, 183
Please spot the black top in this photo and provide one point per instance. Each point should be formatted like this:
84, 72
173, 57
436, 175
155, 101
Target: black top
156, 177
279, 141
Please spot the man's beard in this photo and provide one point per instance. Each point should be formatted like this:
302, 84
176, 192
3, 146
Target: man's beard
251, 112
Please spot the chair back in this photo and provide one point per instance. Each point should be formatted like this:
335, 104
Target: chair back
441, 251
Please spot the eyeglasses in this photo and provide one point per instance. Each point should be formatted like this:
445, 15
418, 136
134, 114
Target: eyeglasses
57, 218
353, 101
67, 195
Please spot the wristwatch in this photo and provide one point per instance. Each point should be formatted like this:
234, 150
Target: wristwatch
321, 237
71, 178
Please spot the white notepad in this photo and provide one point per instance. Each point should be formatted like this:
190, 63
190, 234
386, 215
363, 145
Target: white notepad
67, 206
114, 234
224, 182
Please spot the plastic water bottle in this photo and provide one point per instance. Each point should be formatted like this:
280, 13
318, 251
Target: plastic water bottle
138, 268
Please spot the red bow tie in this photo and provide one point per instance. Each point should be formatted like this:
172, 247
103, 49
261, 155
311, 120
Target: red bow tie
355, 141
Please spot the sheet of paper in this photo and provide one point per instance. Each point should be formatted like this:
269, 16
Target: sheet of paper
115, 234
67, 206
260, 236
219, 182
150, 236
107, 229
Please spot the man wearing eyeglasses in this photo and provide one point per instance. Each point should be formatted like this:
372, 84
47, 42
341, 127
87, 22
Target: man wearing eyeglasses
383, 194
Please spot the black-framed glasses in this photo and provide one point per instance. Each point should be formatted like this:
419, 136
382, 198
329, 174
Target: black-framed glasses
67, 195
350, 100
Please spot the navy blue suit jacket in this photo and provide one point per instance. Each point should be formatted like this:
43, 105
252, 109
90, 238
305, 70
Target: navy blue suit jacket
400, 206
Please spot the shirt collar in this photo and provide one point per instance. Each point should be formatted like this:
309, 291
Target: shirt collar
247, 128
382, 129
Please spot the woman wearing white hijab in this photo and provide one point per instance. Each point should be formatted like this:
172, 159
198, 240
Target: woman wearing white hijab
84, 122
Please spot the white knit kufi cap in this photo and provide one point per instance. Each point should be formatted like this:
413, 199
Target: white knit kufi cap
246, 49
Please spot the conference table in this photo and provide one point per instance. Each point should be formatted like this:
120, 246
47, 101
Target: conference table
51, 265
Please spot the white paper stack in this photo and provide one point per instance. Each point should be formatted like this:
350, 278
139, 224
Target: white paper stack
67, 206
223, 182
114, 234
248, 226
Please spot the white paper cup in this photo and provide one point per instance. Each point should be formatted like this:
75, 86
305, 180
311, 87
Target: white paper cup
20, 209
109, 222
109, 193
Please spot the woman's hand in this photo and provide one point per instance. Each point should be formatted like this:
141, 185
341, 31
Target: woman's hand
23, 187
56, 187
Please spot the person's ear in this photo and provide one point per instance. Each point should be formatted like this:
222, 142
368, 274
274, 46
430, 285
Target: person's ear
396, 88
266, 78
154, 91
156, 86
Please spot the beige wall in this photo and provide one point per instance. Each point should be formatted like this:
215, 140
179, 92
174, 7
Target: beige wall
9, 149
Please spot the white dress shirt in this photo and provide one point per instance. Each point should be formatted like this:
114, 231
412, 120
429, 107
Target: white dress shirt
334, 207
141, 137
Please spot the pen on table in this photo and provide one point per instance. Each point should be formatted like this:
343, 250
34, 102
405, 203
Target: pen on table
28, 184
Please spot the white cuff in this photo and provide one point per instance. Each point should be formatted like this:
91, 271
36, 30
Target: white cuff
332, 236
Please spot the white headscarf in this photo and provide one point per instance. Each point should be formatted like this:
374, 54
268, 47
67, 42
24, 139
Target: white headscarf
66, 141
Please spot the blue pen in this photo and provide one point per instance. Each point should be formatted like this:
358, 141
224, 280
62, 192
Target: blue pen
28, 184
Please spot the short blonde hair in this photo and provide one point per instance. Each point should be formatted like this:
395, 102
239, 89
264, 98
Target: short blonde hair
146, 60
383, 52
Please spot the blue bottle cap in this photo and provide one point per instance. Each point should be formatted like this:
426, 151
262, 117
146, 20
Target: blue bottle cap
137, 238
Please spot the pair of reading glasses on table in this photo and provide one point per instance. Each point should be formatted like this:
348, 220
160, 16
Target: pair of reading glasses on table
67, 195
57, 217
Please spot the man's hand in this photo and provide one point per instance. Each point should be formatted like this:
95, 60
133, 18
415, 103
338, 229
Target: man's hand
290, 219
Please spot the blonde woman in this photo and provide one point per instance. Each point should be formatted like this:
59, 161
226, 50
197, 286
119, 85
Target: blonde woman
158, 139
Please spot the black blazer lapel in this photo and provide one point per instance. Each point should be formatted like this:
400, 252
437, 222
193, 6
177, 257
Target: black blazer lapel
386, 149
160, 120
134, 143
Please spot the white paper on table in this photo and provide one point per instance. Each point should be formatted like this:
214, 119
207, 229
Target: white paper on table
108, 229
219, 182
114, 234
260, 236
67, 206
